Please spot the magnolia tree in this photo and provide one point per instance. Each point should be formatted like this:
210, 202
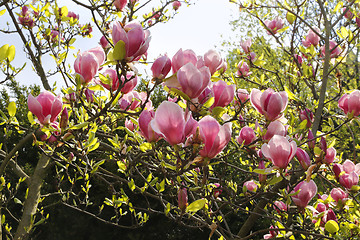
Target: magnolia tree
261, 150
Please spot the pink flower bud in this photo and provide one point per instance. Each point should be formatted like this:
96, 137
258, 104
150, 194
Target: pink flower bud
217, 190
130, 125
183, 57
193, 81
205, 95
169, 122
298, 58
243, 69
279, 150
330, 155
350, 103
213, 61
275, 128
46, 107
89, 94
130, 101
332, 45
112, 76
120, 4
104, 43
349, 179
215, 137
87, 63
131, 81
311, 140
348, 14
337, 168
223, 93
303, 158
135, 38
338, 195
323, 144
161, 67
330, 215
274, 25
321, 207
145, 127
182, 199
64, 119
245, 45
262, 177
247, 136
250, 186
269, 103
176, 5
307, 192
252, 57
307, 115
312, 38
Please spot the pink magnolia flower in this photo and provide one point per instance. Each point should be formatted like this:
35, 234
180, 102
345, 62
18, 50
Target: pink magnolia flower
275, 128
145, 127
298, 58
89, 94
348, 173
332, 45
242, 96
161, 67
130, 101
120, 4
246, 136
205, 95
243, 69
307, 115
104, 42
350, 103
223, 93
193, 81
269, 103
312, 38
87, 63
112, 75
46, 107
280, 206
279, 150
169, 122
245, 45
223, 67
303, 158
271, 234
130, 84
215, 137
217, 190
250, 186
25, 19
307, 192
311, 140
73, 15
330, 155
176, 5
213, 61
135, 38
183, 57
338, 195
274, 25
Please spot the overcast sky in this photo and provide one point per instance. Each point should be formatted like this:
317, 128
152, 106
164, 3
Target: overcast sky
199, 27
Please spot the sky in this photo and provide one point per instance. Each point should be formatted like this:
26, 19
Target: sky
200, 27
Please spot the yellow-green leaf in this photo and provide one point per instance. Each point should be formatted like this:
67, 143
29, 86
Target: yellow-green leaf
344, 32
290, 17
145, 146
196, 206
119, 51
11, 53
331, 226
12, 109
2, 12
4, 52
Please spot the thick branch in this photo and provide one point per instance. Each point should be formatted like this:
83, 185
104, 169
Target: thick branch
32, 200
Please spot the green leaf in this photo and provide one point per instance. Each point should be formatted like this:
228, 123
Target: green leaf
4, 52
119, 51
290, 17
344, 32
209, 102
264, 171
218, 111
2, 12
196, 206
180, 93
11, 53
12, 109
275, 180
290, 94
